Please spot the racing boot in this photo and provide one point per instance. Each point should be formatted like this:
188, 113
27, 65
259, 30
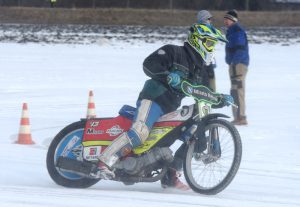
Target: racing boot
119, 148
240, 121
171, 180
104, 172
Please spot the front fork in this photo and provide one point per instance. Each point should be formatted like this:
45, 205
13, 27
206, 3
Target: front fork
214, 147
203, 142
207, 148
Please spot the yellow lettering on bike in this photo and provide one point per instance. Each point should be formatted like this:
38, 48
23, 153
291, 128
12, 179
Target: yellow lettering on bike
156, 134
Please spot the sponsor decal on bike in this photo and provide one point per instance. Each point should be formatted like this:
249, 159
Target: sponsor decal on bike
156, 134
94, 131
189, 90
114, 131
77, 151
69, 146
92, 153
94, 123
174, 118
159, 131
205, 94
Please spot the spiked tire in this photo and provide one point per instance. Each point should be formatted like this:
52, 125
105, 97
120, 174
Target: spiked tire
67, 179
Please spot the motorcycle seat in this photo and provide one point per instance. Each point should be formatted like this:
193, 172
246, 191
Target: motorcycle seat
127, 111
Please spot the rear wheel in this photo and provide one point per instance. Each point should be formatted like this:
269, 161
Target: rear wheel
67, 143
213, 170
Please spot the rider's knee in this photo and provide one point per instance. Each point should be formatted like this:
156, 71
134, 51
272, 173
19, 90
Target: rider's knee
138, 133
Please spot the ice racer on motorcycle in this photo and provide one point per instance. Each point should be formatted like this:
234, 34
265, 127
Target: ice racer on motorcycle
166, 67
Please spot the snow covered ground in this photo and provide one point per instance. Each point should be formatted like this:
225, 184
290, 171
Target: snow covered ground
54, 79
97, 34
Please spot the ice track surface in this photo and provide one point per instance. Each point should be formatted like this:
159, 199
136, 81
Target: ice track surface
54, 79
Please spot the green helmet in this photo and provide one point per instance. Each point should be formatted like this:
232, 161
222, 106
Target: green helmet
203, 38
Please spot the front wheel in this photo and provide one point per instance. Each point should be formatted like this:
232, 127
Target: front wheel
67, 143
212, 171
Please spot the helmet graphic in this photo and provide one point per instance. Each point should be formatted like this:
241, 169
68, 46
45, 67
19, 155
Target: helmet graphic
203, 38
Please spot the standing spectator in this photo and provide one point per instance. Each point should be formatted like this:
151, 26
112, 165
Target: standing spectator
237, 57
52, 3
205, 17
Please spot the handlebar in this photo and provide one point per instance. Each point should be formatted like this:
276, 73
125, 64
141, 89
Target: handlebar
202, 93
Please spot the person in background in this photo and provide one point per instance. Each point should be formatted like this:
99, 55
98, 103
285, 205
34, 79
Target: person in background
205, 17
237, 57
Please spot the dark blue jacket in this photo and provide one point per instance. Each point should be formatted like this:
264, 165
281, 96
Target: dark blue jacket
237, 46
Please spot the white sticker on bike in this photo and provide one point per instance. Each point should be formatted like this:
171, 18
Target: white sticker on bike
69, 146
92, 153
114, 131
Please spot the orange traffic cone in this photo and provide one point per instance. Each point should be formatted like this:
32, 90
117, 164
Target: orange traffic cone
91, 111
24, 136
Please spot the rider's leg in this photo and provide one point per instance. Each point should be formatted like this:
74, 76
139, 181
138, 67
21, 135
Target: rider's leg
171, 179
237, 76
146, 115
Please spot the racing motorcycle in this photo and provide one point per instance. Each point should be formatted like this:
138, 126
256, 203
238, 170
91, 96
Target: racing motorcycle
72, 158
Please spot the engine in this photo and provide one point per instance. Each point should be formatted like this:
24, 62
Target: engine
134, 165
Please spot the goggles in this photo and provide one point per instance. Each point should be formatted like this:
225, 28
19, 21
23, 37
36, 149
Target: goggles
209, 43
